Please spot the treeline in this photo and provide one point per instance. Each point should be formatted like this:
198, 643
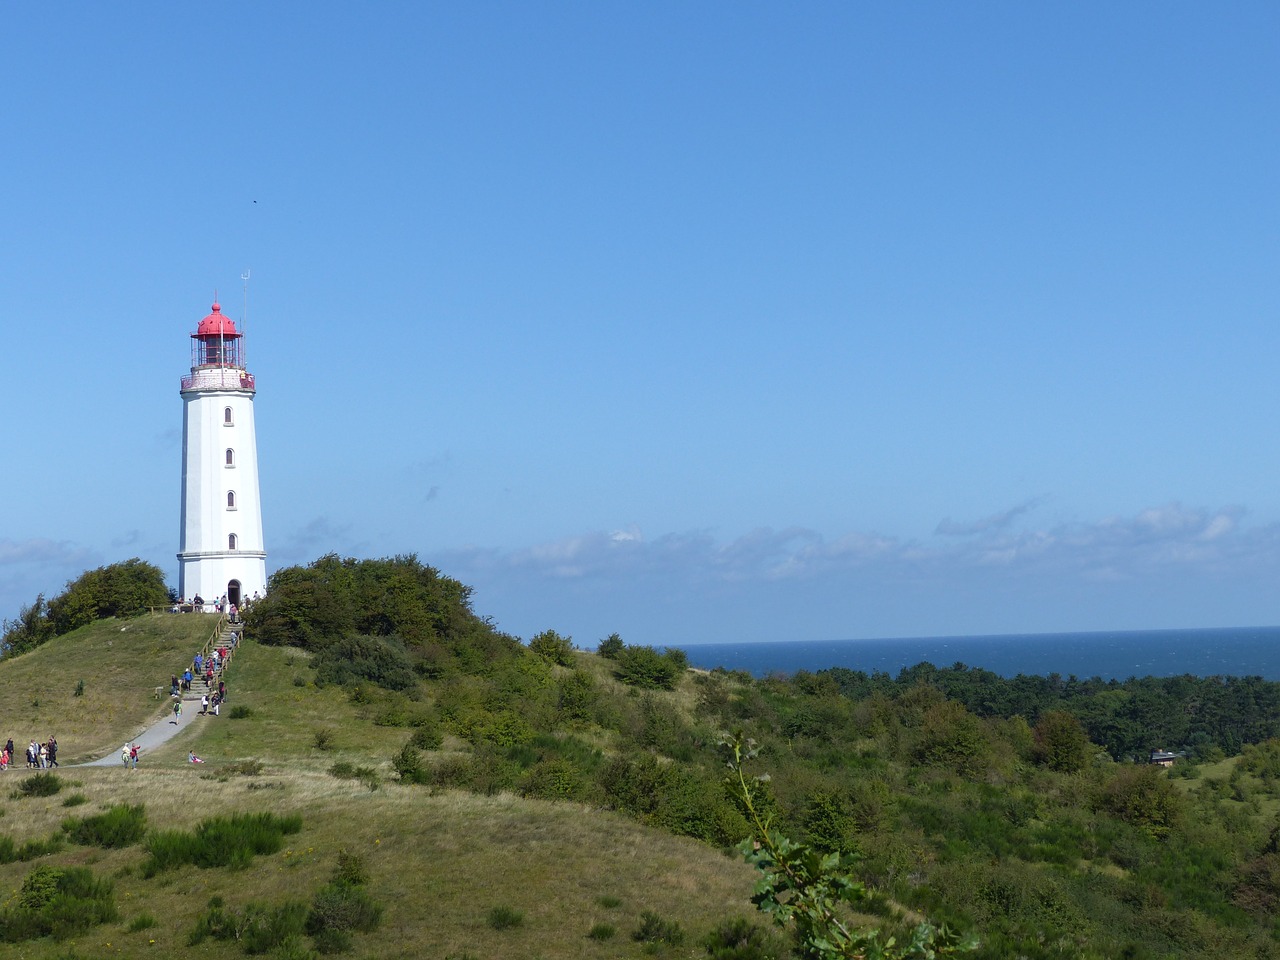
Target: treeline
1204, 717
118, 590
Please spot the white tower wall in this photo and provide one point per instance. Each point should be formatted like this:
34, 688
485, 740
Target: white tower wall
220, 495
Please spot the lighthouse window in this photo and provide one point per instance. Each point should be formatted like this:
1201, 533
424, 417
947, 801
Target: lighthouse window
226, 417
231, 499
231, 457
231, 542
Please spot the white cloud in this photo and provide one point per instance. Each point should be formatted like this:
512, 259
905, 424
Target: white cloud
1113, 548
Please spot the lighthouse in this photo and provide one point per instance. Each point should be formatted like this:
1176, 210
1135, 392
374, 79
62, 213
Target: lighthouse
221, 548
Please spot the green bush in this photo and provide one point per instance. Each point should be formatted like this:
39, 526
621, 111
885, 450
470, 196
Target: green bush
426, 735
58, 902
121, 826
504, 918
143, 921
381, 660
551, 646
240, 712
322, 739
220, 842
578, 697
38, 785
552, 779
740, 939
408, 765
654, 929
611, 646
602, 932
257, 928
343, 907
646, 667
75, 800
34, 849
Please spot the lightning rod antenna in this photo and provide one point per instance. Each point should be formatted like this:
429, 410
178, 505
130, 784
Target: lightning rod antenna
244, 320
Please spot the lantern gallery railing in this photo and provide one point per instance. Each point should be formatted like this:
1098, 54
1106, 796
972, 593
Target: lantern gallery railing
218, 378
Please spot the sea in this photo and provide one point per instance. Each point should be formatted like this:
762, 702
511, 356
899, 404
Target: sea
1111, 655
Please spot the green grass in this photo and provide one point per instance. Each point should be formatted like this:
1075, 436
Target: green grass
430, 856
123, 661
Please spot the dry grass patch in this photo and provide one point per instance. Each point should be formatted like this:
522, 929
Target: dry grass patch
438, 863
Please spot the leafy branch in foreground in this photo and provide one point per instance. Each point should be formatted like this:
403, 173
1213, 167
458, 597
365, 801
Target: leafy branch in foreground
803, 889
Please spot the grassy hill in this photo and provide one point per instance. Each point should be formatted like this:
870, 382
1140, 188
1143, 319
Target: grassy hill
94, 688
439, 861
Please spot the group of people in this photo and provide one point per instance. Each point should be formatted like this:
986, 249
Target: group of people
129, 755
198, 604
209, 668
40, 756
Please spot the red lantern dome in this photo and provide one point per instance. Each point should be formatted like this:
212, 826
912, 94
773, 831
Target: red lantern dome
216, 325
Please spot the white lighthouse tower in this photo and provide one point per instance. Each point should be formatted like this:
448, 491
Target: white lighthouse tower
222, 551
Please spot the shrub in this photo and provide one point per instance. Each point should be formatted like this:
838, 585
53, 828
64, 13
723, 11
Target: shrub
34, 849
143, 921
611, 646
551, 646
58, 902
343, 907
654, 929
578, 695
322, 739
1142, 796
504, 918
602, 931
552, 779
257, 927
740, 939
350, 869
609, 901
646, 667
426, 736
121, 826
408, 765
38, 785
220, 842
381, 660
75, 800
240, 712
1060, 742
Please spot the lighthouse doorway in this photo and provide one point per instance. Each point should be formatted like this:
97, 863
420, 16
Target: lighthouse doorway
233, 592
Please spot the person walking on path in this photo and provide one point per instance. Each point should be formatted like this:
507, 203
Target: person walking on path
124, 756
133, 756
177, 711
52, 748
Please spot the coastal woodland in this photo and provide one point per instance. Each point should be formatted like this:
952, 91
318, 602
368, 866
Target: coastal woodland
1014, 817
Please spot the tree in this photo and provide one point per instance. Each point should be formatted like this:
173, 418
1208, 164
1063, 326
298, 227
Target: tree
1061, 743
551, 646
611, 646
32, 628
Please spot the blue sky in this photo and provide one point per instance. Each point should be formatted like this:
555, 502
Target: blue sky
694, 322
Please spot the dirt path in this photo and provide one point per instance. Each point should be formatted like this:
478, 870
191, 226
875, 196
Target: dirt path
159, 732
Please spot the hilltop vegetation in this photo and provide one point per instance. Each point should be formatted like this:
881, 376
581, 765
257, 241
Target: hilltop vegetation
118, 590
543, 800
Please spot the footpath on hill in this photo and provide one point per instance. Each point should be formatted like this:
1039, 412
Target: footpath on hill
167, 726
